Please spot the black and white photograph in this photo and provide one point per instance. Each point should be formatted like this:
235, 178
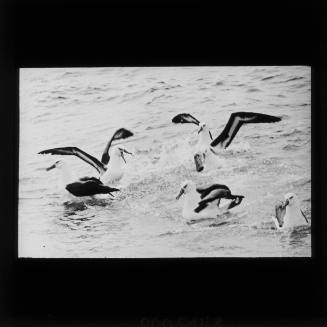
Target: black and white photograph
164, 162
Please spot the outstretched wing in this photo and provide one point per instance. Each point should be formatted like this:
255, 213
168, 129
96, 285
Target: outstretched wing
121, 133
236, 120
73, 151
185, 118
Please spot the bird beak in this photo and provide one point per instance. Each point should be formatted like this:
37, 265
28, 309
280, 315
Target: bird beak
213, 151
180, 194
306, 219
51, 167
122, 154
127, 152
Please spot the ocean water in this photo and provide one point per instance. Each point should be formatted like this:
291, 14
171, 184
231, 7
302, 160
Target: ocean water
83, 107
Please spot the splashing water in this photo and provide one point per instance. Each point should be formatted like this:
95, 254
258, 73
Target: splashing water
83, 107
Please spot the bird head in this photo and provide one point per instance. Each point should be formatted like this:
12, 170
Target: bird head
202, 127
57, 164
290, 199
186, 187
119, 152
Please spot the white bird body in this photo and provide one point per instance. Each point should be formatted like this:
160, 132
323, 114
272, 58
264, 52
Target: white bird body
293, 214
115, 169
191, 197
209, 156
204, 139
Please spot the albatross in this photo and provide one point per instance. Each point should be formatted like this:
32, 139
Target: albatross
289, 213
207, 145
85, 186
202, 203
110, 168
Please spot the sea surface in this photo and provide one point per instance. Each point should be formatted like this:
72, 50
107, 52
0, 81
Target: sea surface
83, 107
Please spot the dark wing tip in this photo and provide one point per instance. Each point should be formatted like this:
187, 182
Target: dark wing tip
274, 119
112, 189
44, 152
126, 133
177, 119
105, 158
256, 117
122, 133
185, 118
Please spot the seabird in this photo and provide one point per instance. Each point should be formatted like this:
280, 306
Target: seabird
85, 186
207, 146
204, 202
289, 213
110, 168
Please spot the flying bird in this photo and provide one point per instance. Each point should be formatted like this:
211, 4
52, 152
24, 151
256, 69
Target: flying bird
207, 145
110, 168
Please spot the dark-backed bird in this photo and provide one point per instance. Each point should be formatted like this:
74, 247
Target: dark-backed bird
110, 168
204, 202
85, 186
207, 145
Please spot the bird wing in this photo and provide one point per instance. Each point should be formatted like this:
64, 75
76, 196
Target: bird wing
89, 188
69, 150
121, 133
204, 191
185, 118
236, 120
212, 196
87, 178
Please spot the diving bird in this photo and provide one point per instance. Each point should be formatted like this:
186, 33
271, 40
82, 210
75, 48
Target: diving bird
207, 145
111, 167
204, 202
288, 214
85, 186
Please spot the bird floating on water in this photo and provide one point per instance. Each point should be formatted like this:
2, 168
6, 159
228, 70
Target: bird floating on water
110, 168
289, 213
207, 146
204, 202
85, 186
